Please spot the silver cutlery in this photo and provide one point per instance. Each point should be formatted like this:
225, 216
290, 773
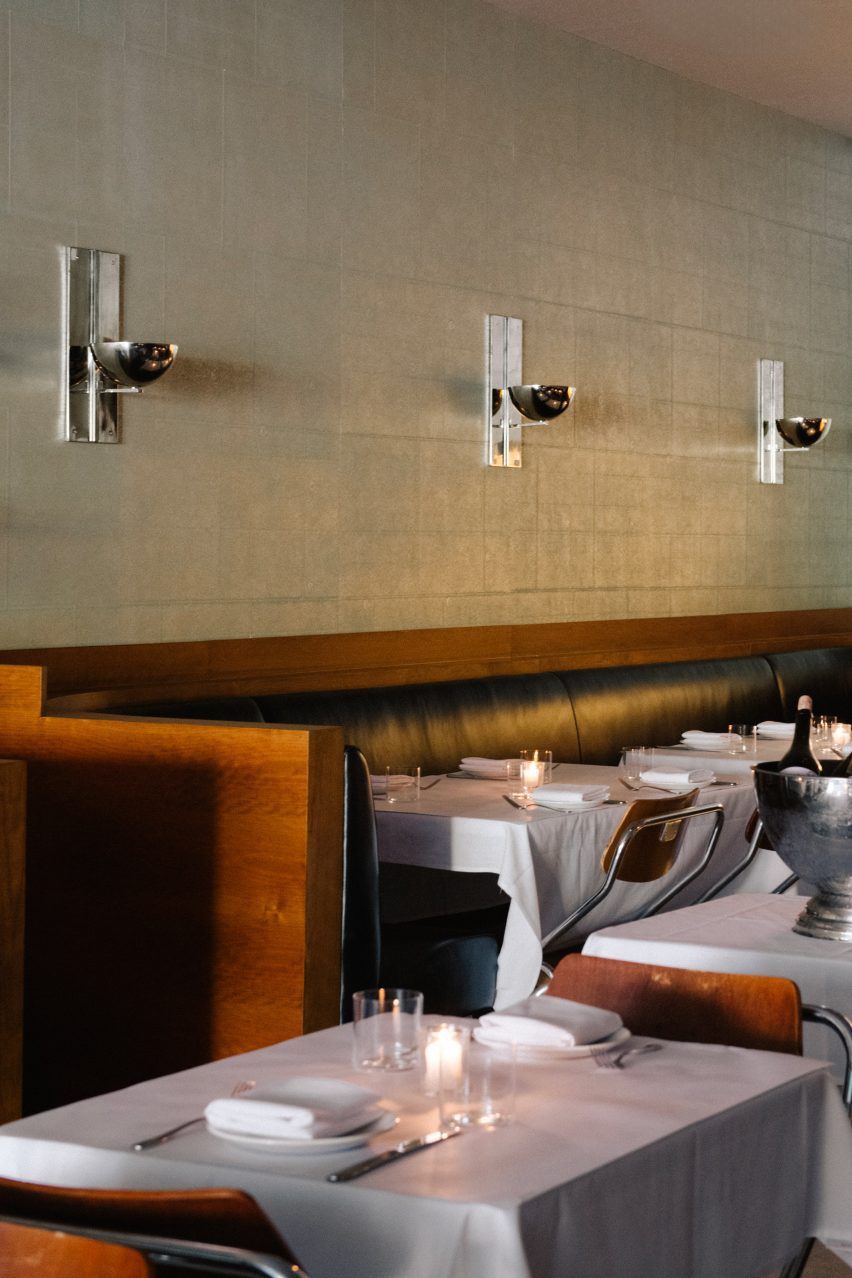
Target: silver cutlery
240, 1089
523, 806
430, 784
402, 1150
614, 1058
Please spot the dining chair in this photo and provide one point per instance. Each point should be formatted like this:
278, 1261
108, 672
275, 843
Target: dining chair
643, 848
30, 1252
734, 1008
452, 959
756, 838
224, 1218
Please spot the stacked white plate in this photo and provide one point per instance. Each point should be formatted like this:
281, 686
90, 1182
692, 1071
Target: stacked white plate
300, 1116
677, 778
694, 739
542, 1029
485, 769
774, 731
569, 797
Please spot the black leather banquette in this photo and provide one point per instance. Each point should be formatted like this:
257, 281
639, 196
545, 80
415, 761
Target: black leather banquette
581, 715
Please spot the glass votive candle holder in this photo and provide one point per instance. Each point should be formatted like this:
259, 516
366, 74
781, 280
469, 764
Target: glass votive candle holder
445, 1063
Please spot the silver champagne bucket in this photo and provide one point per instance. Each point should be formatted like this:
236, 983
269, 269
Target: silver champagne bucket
809, 822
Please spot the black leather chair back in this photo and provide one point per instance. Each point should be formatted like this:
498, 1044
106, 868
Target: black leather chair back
360, 941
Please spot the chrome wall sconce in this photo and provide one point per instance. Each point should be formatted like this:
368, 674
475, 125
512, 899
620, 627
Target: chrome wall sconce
100, 368
774, 430
510, 404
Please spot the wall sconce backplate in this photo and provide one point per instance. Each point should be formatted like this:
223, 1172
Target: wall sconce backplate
504, 343
92, 292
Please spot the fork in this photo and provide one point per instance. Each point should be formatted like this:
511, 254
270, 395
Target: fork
150, 1141
612, 1059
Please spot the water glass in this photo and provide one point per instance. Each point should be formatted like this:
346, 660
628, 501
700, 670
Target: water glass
634, 761
386, 1028
490, 1087
739, 737
402, 784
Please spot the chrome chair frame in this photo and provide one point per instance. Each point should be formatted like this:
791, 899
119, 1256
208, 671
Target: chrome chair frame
751, 853
205, 1258
627, 837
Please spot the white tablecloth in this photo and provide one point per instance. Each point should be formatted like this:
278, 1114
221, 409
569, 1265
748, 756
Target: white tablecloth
546, 861
699, 1161
745, 933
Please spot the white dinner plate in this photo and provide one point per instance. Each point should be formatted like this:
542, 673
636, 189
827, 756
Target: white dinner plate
322, 1145
478, 776
708, 749
541, 1053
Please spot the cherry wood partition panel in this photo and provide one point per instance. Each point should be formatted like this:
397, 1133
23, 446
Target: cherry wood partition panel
13, 806
126, 673
183, 890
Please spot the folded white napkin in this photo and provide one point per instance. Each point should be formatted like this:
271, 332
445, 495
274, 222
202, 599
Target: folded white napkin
300, 1109
549, 1022
683, 777
495, 768
772, 728
569, 795
711, 740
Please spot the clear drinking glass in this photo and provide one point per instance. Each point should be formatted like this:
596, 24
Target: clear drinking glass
634, 761
402, 783
386, 1028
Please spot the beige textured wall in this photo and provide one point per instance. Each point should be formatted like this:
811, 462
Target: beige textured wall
320, 200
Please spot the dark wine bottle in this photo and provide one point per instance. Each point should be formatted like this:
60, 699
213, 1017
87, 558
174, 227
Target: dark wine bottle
800, 758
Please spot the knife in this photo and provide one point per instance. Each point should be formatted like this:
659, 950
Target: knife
391, 1155
522, 806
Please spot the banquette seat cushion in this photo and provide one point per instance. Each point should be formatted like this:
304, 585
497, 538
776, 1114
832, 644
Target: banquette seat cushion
824, 673
437, 724
654, 704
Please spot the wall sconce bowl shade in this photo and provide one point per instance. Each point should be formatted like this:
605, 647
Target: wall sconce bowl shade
541, 403
134, 363
803, 432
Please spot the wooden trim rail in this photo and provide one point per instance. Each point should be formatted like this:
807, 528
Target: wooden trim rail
373, 659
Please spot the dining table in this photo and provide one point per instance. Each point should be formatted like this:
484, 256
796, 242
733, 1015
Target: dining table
461, 845
698, 1160
750, 932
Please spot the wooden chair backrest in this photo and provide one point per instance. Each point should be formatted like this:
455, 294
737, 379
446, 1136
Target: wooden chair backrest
651, 853
734, 1008
227, 1217
43, 1253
